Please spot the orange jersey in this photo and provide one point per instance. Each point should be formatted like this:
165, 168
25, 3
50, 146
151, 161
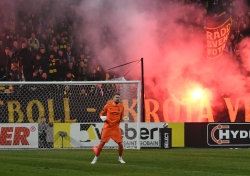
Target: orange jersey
114, 113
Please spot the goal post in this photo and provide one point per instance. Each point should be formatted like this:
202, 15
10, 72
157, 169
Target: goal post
65, 114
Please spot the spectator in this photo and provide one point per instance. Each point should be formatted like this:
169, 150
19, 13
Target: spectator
68, 52
51, 26
12, 58
25, 57
49, 34
62, 44
248, 18
42, 128
12, 32
93, 76
5, 59
24, 33
39, 22
1, 48
45, 77
237, 55
62, 67
238, 36
83, 59
71, 41
38, 62
92, 66
8, 41
44, 41
69, 77
71, 68
39, 75
44, 58
55, 51
62, 27
99, 74
39, 34
233, 40
29, 27
229, 48
80, 49
73, 60
245, 30
52, 43
14, 72
88, 54
33, 42
2, 37
3, 74
53, 68
58, 38
71, 31
82, 72
15, 48
62, 56
50, 136
107, 75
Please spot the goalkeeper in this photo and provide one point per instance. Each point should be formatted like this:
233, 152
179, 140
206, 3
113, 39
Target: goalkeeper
114, 114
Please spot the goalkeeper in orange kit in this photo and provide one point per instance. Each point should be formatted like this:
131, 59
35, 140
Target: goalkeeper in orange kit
114, 114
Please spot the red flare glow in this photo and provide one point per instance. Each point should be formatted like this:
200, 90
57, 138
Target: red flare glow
95, 149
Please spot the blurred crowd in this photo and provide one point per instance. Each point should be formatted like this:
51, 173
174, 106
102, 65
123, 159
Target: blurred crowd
37, 44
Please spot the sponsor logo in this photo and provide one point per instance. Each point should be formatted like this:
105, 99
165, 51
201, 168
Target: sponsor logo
164, 139
15, 135
91, 132
219, 127
232, 134
166, 142
114, 113
87, 135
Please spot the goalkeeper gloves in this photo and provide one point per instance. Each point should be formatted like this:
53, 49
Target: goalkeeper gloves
103, 118
126, 119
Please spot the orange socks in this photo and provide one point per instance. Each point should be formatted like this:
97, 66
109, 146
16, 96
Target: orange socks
120, 150
99, 149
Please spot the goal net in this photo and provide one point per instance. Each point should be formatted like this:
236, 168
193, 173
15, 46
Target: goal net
64, 114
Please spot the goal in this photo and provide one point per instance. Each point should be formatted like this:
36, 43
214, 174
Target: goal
64, 114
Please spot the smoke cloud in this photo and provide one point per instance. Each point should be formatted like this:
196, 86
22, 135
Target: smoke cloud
170, 39
167, 35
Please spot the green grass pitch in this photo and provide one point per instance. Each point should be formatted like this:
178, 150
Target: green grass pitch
144, 162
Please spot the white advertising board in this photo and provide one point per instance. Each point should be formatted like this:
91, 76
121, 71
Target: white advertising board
87, 135
21, 135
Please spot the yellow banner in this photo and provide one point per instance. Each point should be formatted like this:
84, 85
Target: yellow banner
61, 141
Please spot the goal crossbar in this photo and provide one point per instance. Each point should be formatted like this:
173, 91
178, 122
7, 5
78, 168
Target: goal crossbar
67, 82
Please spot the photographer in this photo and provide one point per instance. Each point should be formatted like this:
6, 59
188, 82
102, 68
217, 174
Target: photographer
42, 129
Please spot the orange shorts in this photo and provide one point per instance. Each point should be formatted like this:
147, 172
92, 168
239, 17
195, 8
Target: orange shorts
114, 133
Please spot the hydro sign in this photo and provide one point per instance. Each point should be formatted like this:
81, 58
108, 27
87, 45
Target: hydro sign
228, 134
88, 135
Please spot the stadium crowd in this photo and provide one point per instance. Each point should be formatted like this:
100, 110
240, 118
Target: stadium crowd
43, 41
35, 46
38, 45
